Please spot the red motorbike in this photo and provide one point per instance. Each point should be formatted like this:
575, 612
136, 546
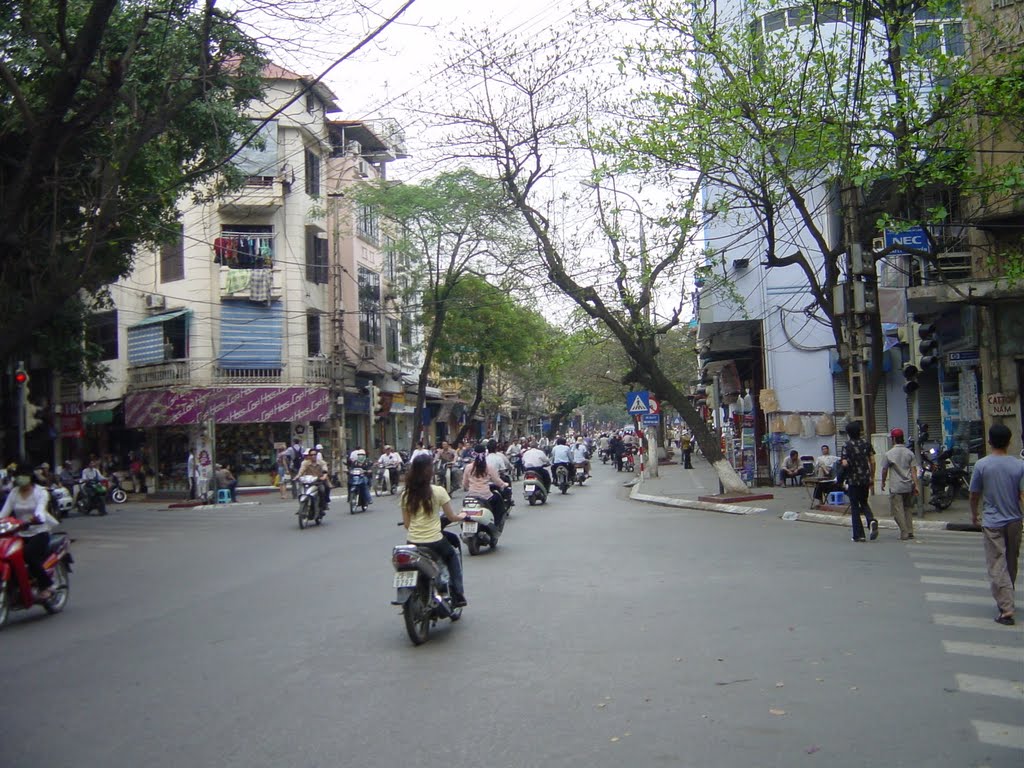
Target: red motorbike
16, 592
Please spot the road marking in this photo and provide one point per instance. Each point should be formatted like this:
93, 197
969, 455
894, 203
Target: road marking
951, 568
954, 582
999, 734
946, 547
943, 557
985, 650
990, 686
970, 622
949, 597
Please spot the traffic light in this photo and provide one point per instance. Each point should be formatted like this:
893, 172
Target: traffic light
928, 346
32, 419
21, 377
911, 384
374, 398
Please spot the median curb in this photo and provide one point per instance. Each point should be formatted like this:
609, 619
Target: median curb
637, 494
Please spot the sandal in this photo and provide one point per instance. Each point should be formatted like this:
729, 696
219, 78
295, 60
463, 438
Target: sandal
1006, 620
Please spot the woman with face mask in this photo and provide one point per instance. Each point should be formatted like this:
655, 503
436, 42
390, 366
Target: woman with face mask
27, 502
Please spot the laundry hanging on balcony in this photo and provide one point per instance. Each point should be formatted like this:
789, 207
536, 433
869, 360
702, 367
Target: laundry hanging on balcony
260, 283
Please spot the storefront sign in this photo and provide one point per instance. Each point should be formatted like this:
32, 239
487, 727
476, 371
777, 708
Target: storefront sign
357, 403
227, 405
965, 358
71, 420
1002, 405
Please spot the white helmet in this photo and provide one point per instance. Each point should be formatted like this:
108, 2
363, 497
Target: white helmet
319, 447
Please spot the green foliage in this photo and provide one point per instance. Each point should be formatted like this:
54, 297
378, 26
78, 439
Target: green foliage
112, 112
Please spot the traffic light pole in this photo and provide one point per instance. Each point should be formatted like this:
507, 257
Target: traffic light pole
21, 414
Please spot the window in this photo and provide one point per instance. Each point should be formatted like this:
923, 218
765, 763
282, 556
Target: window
311, 103
369, 306
366, 224
312, 334
172, 258
406, 329
159, 338
245, 246
312, 173
775, 21
391, 341
102, 333
390, 260
250, 336
316, 257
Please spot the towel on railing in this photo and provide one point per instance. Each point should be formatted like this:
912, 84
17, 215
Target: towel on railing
237, 280
260, 284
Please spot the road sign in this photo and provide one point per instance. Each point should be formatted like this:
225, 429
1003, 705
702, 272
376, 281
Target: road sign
636, 402
964, 358
651, 419
653, 406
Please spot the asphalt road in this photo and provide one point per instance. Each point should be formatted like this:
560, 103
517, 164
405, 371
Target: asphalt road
602, 632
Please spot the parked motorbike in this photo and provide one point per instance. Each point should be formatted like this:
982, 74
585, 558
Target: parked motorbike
310, 511
16, 593
946, 476
422, 588
61, 501
533, 488
561, 478
92, 495
358, 489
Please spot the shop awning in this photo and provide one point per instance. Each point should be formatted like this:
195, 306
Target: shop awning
162, 318
101, 412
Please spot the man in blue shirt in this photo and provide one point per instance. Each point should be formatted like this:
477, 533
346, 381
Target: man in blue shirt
998, 485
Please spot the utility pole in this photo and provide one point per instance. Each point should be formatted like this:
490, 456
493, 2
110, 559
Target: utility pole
857, 300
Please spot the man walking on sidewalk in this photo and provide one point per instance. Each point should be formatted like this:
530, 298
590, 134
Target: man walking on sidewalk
686, 448
998, 481
899, 466
859, 473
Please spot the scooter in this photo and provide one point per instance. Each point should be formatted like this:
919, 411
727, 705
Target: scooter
422, 588
16, 593
481, 530
561, 478
382, 481
92, 495
533, 488
946, 475
581, 474
358, 489
309, 512
628, 462
61, 502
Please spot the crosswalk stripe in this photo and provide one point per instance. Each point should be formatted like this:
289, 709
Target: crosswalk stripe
985, 650
971, 622
950, 582
949, 597
923, 548
990, 686
999, 734
967, 557
950, 568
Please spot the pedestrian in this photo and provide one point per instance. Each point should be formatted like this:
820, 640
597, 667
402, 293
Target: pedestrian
858, 461
900, 468
190, 472
997, 484
225, 479
686, 448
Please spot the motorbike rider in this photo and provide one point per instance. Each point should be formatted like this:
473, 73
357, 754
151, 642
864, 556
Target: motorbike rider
499, 461
617, 448
91, 475
392, 462
560, 456
421, 504
358, 459
534, 458
317, 467
477, 481
580, 456
28, 502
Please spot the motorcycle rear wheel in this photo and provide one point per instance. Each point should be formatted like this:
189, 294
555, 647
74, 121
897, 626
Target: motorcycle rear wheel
942, 500
417, 617
61, 590
303, 513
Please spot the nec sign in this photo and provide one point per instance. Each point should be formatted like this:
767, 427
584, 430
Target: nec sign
914, 237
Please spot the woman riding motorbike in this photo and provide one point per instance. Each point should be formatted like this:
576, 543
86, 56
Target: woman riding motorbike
28, 502
478, 479
421, 504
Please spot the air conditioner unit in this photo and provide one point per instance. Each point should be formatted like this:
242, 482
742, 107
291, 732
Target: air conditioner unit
364, 169
354, 148
369, 351
155, 301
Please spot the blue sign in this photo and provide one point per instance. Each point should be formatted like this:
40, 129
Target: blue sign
914, 237
637, 403
651, 419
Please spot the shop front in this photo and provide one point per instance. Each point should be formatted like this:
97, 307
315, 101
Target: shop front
242, 426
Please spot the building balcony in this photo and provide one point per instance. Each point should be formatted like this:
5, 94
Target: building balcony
171, 373
261, 194
204, 373
318, 370
239, 284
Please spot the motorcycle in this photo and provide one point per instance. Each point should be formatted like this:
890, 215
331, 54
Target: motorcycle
445, 472
382, 481
92, 495
946, 476
61, 502
309, 511
628, 462
581, 474
421, 587
604, 454
16, 593
533, 488
517, 466
561, 478
358, 489
482, 529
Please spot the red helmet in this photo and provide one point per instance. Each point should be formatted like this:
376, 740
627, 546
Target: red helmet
896, 434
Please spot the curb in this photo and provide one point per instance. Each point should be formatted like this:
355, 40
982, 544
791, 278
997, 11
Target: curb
707, 506
229, 505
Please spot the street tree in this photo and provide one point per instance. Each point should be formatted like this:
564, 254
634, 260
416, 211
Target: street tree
112, 111
453, 226
862, 113
531, 105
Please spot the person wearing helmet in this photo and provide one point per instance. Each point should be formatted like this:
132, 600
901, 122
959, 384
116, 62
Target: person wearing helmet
900, 468
314, 465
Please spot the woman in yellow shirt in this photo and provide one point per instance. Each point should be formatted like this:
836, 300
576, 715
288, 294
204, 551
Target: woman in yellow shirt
422, 503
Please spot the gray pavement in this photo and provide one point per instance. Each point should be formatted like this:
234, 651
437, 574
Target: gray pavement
679, 487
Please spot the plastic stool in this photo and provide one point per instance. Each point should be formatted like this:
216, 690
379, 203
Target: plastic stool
223, 495
837, 499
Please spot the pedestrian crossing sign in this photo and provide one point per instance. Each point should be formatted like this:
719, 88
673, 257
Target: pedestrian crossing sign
637, 403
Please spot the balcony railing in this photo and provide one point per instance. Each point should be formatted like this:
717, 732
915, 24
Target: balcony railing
247, 375
172, 373
318, 370
260, 194
238, 283
198, 373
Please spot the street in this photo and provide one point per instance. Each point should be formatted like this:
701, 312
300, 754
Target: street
601, 632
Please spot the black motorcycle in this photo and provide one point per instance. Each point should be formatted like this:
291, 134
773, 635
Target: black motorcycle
946, 476
92, 495
422, 588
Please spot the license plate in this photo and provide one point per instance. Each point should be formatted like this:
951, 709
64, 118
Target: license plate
405, 578
529, 488
469, 527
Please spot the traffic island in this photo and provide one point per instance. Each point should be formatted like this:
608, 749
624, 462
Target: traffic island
734, 498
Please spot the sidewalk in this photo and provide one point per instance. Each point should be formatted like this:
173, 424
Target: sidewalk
678, 487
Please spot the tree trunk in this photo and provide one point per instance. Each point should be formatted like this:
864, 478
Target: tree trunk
428, 357
476, 403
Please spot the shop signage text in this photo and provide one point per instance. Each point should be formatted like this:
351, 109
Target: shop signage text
227, 405
1000, 404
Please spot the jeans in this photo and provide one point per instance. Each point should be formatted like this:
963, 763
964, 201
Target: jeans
34, 549
443, 548
859, 505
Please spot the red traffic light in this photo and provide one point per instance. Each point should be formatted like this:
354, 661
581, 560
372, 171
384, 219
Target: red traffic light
20, 377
